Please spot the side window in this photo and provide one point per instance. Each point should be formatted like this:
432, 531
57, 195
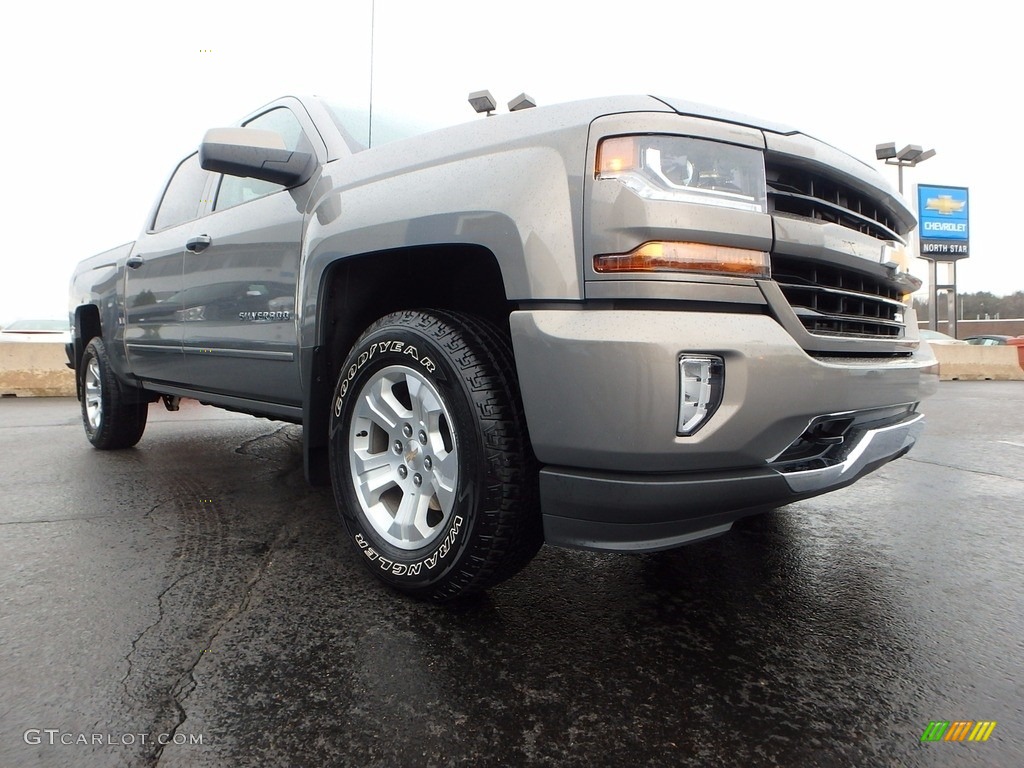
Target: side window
233, 189
184, 192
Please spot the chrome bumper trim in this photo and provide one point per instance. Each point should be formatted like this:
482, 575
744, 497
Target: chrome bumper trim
856, 456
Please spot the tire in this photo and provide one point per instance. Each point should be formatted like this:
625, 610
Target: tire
432, 470
112, 417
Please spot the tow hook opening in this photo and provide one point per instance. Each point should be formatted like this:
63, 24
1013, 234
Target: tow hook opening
819, 438
828, 432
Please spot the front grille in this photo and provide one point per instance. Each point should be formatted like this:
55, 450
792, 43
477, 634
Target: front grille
797, 191
835, 301
831, 299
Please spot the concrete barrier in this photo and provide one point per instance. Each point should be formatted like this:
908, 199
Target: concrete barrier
35, 369
966, 362
40, 370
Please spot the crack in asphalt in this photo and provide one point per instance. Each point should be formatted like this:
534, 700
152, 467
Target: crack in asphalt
186, 682
961, 469
279, 437
104, 516
154, 508
156, 522
142, 634
241, 449
60, 520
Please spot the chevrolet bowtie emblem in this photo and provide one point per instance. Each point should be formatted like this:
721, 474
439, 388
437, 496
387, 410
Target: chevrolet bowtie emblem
945, 205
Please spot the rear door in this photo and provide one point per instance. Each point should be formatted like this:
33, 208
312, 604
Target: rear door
241, 277
153, 278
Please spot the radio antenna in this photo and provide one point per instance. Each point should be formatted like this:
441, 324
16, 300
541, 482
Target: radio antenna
373, 15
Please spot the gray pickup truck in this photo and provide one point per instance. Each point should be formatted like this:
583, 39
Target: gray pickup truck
616, 324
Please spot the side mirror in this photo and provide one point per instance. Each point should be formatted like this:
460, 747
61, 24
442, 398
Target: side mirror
254, 153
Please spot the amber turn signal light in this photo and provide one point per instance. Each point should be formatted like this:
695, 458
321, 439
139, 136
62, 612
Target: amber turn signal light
660, 256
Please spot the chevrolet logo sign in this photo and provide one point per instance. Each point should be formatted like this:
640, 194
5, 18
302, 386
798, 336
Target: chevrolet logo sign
945, 205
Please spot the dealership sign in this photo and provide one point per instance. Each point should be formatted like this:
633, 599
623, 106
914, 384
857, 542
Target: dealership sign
944, 227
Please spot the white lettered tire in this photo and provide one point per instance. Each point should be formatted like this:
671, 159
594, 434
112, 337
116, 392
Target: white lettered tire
430, 462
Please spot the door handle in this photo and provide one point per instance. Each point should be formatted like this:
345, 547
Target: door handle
198, 243
134, 261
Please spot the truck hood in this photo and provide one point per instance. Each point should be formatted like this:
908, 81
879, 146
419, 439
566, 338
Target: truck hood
695, 109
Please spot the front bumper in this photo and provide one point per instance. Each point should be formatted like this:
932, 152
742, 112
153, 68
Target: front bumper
645, 513
601, 395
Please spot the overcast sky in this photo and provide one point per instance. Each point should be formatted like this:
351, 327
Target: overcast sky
104, 98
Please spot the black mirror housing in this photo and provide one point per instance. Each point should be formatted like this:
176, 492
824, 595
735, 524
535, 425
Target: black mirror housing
254, 153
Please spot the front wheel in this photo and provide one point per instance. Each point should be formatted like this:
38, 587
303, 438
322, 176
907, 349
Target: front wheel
431, 466
111, 417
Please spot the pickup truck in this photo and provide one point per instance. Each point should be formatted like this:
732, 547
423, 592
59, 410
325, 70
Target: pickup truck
617, 324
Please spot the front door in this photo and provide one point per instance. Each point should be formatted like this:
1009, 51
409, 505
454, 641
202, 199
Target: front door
241, 282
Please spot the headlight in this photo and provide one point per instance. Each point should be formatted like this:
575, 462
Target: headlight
682, 169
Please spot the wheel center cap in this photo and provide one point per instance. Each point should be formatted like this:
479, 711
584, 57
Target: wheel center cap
412, 452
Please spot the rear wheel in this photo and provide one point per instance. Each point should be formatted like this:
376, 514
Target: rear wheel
431, 466
113, 418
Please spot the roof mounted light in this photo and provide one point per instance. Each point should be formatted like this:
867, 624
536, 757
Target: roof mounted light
522, 101
482, 101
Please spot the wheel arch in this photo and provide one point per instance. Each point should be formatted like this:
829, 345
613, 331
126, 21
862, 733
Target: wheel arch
87, 326
357, 290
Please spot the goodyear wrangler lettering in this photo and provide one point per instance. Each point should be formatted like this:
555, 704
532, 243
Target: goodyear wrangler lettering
367, 355
414, 569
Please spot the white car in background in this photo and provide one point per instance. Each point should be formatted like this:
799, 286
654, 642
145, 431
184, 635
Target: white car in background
37, 330
937, 337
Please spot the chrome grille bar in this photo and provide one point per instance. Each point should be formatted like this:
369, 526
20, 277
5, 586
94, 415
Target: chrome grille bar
831, 300
800, 190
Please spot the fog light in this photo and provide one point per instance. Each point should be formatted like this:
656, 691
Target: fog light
701, 381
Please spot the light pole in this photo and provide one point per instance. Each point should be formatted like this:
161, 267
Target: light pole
908, 157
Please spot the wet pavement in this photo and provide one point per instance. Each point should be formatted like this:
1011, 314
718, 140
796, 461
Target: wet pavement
195, 591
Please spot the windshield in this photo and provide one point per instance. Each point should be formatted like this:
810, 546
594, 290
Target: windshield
354, 123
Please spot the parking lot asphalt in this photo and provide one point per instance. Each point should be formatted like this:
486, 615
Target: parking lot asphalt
195, 591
